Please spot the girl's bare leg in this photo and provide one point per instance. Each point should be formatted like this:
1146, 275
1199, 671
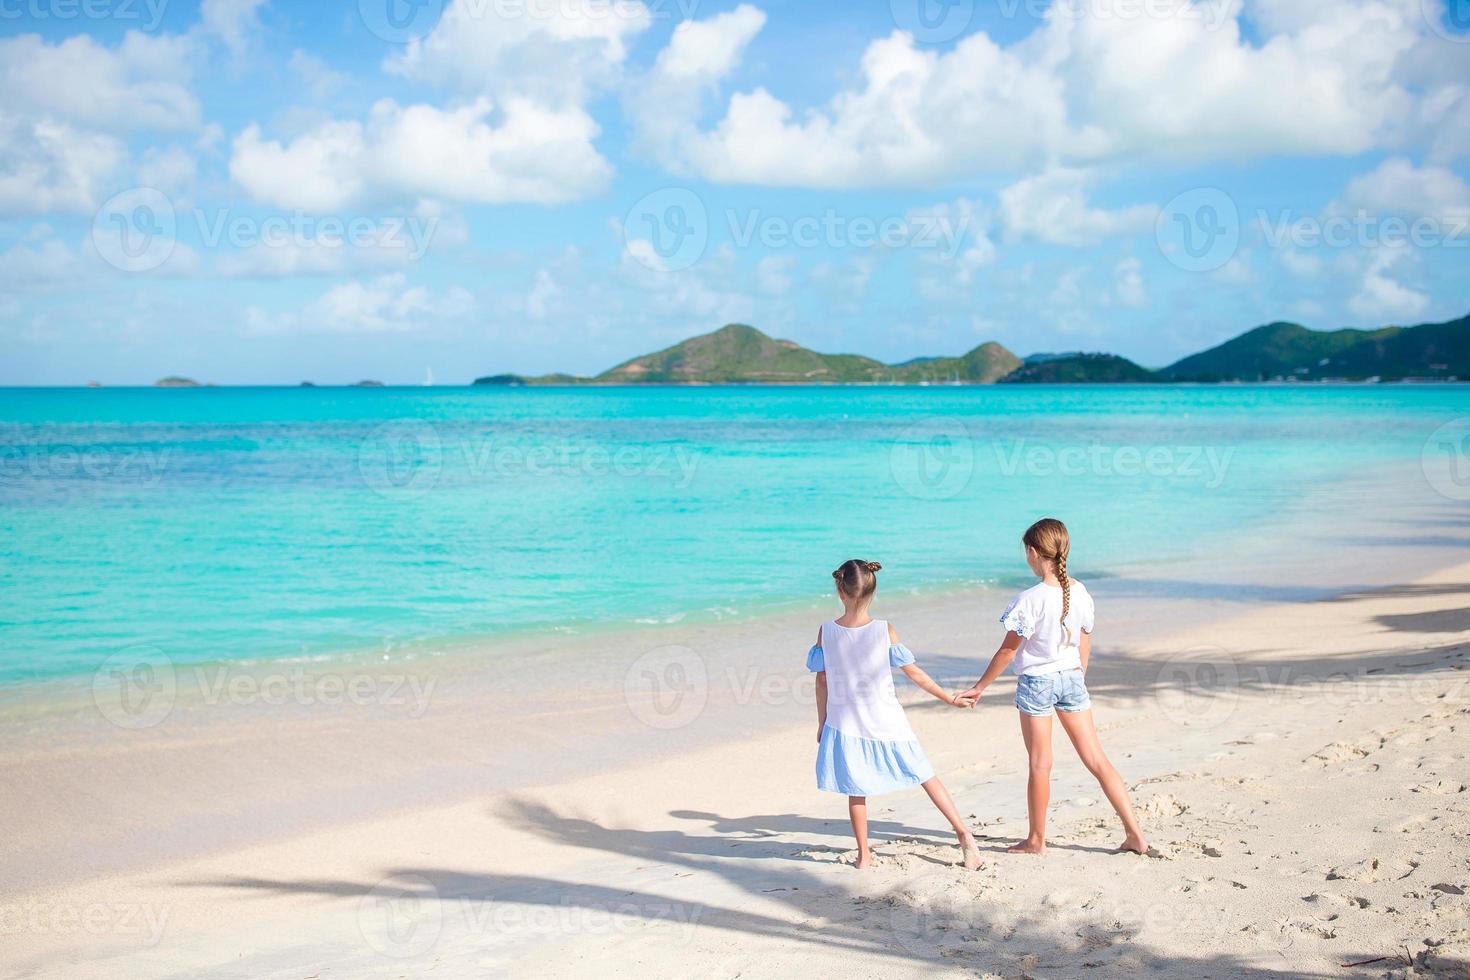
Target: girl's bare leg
941, 798
1080, 729
1037, 734
857, 812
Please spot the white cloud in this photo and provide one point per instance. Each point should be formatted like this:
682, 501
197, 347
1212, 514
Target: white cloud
1383, 297
68, 107
1052, 207
553, 51
40, 259
543, 295
1129, 287
1086, 86
773, 274
233, 22
321, 81
699, 55
47, 166
1237, 271
526, 153
383, 305
171, 170
1397, 186
1302, 265
518, 130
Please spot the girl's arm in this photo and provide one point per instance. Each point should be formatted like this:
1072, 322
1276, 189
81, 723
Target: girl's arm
1085, 650
998, 665
821, 694
926, 683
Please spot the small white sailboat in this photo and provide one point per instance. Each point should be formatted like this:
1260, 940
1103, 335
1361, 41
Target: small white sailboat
428, 377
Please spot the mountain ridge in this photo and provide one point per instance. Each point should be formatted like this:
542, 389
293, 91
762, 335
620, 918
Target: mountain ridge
1280, 351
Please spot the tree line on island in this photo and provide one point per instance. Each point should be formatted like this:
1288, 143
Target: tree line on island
740, 354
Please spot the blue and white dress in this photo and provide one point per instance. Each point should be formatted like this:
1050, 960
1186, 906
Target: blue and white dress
867, 746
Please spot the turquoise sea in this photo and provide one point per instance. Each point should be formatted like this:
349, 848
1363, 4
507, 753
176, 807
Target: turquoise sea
258, 523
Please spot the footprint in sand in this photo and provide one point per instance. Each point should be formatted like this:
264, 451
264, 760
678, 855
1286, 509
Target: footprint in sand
1339, 752
1164, 807
1373, 869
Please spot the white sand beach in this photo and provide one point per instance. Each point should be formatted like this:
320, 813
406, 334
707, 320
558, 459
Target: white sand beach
1299, 764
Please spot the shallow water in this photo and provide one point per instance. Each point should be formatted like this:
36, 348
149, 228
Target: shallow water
238, 523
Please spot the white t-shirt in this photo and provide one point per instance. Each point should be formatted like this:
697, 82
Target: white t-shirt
1036, 616
861, 699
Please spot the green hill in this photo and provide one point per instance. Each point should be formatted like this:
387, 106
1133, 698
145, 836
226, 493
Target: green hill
1081, 369
1288, 350
739, 354
983, 365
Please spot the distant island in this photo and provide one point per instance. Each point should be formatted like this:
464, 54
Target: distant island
741, 354
173, 381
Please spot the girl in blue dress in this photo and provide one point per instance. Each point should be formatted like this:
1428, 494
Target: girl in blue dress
864, 743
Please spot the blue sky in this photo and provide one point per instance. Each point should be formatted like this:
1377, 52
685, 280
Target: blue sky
263, 191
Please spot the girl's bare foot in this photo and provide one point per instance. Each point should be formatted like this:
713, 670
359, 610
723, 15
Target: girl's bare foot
1135, 844
864, 860
1028, 846
970, 851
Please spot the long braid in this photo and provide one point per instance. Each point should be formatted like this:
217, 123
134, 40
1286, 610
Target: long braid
1066, 594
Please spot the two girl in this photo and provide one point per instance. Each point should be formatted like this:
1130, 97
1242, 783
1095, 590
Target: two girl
865, 745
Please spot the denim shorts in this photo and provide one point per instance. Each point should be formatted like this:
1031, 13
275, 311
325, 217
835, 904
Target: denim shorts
1042, 695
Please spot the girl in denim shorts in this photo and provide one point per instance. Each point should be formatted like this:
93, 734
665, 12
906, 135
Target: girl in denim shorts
1049, 637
